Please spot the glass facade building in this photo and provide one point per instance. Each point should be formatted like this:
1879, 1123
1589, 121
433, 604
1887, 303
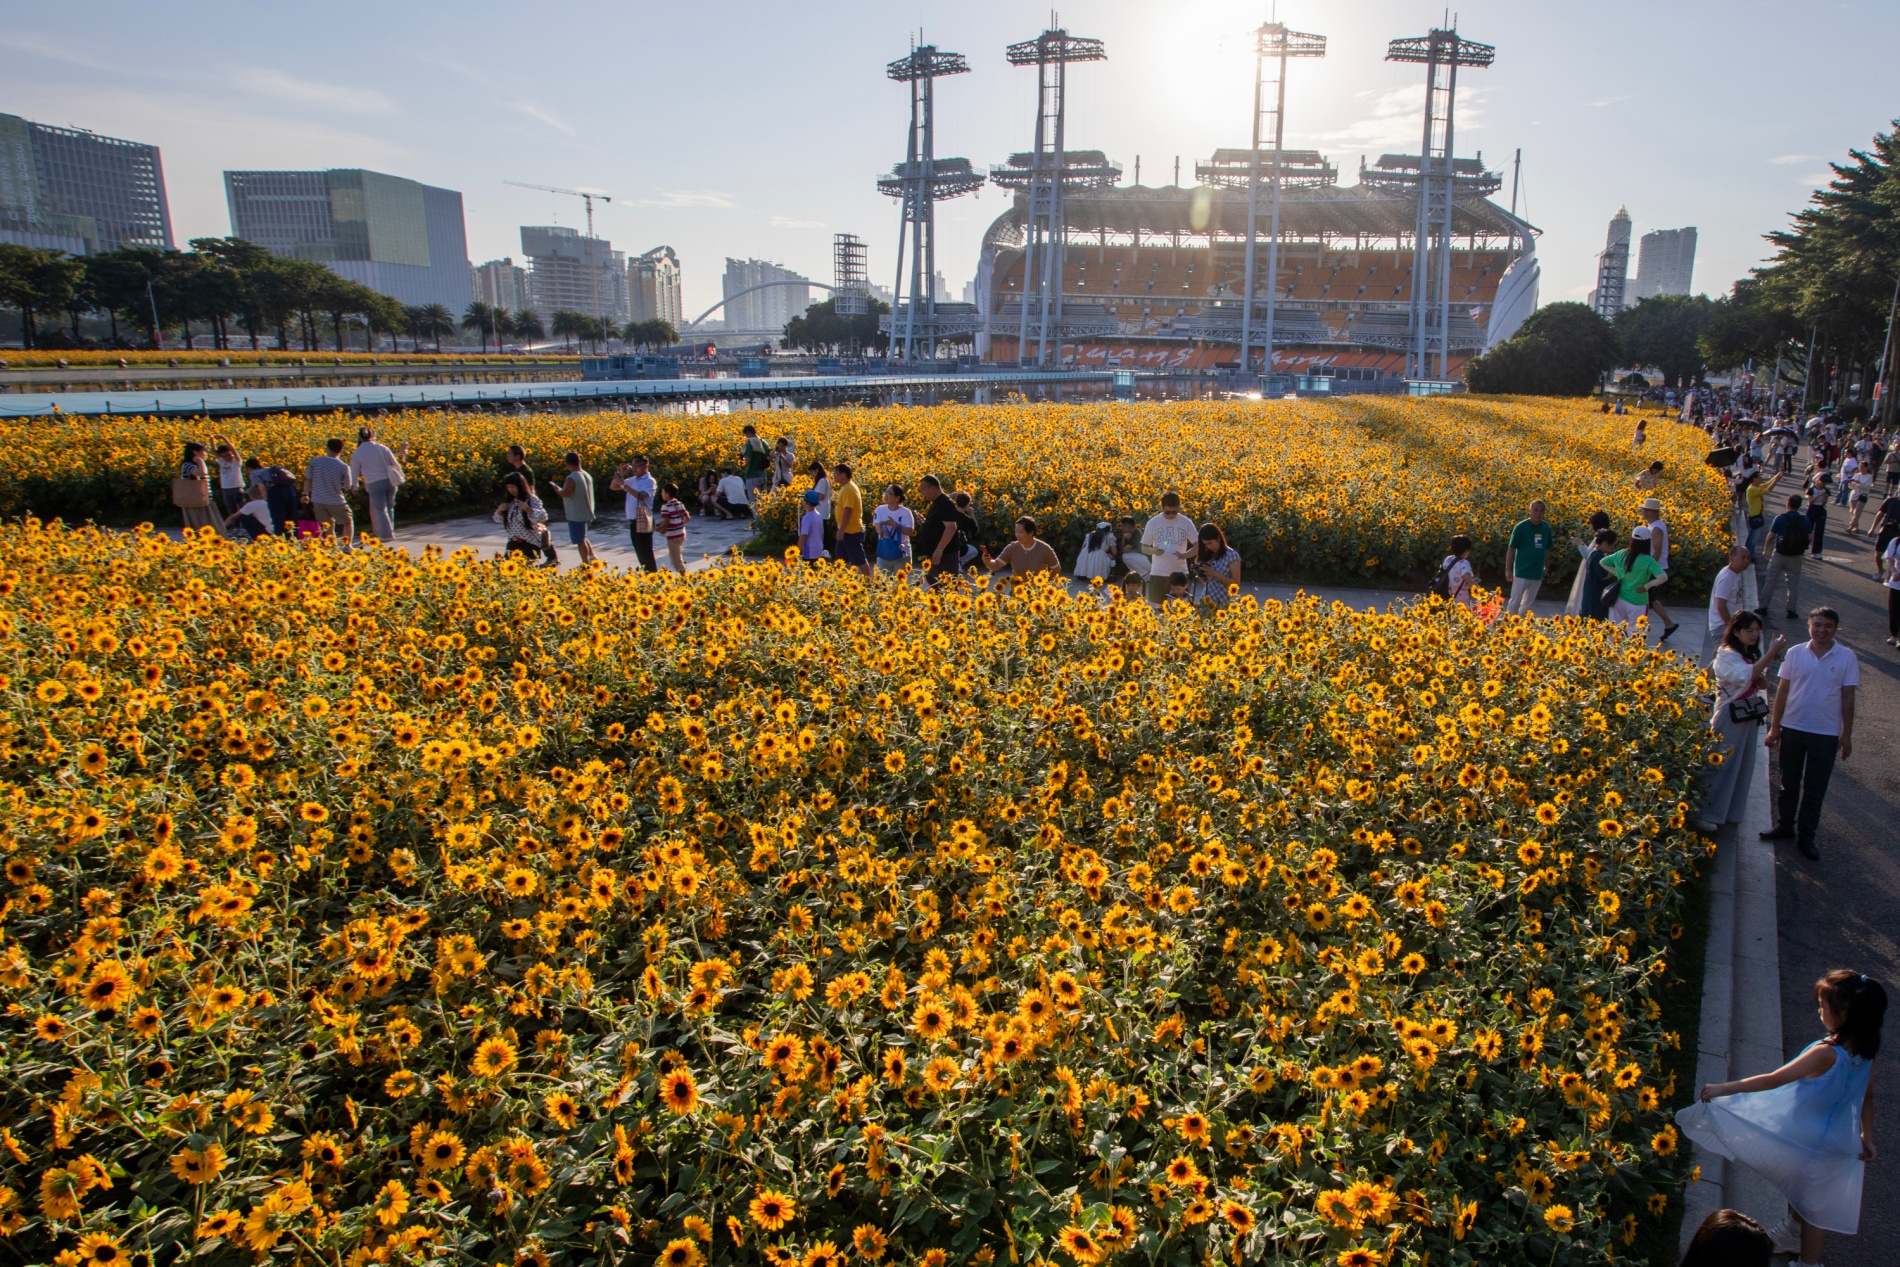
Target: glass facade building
397, 236
79, 192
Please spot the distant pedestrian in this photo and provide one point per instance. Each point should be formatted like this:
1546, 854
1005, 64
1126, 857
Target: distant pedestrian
635, 481
577, 503
732, 500
811, 529
1813, 723
672, 521
326, 478
784, 462
1025, 555
1455, 575
1651, 512
522, 517
1215, 565
847, 503
1649, 476
1740, 666
379, 470
253, 517
1167, 540
232, 485
191, 491
1732, 594
755, 461
1637, 573
895, 524
1584, 544
1890, 559
1527, 558
821, 485
1817, 515
1099, 554
1600, 585
937, 548
1787, 550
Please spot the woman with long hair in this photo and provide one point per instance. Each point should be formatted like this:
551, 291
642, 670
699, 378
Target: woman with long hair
1216, 566
1740, 670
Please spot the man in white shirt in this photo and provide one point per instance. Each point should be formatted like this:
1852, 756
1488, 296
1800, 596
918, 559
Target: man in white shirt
1166, 541
380, 473
730, 498
1813, 723
1732, 594
643, 495
1849, 465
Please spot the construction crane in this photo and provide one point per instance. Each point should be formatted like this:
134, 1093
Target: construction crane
587, 196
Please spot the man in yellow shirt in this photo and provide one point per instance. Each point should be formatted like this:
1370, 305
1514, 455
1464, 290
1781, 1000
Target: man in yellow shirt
847, 505
1755, 492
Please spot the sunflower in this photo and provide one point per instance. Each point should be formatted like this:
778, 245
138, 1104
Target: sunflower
562, 1108
442, 1151
197, 1166
772, 1210
109, 988
823, 1254
494, 1057
678, 1092
100, 1249
1559, 1219
681, 1252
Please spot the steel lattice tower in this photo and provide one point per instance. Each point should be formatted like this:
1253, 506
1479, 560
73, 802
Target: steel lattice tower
1044, 233
1442, 53
1275, 46
919, 183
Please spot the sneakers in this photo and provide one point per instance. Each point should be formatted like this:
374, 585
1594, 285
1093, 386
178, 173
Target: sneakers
1786, 1236
1669, 630
1778, 832
1794, 615
1809, 851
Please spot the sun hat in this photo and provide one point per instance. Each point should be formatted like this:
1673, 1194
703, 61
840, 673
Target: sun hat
1652, 503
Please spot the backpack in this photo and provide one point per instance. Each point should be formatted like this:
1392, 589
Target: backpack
1795, 540
1441, 581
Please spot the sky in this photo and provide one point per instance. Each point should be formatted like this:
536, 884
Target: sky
757, 129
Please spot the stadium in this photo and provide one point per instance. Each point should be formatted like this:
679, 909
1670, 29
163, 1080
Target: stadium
1084, 271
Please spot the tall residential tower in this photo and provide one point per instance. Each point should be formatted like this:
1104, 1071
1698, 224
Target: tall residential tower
76, 191
1613, 268
1665, 262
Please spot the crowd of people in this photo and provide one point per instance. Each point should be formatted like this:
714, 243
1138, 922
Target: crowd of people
231, 494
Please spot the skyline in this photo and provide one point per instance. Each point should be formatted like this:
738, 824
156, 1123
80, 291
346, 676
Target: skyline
764, 144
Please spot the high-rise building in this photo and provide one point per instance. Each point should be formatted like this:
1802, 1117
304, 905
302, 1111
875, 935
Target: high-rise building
762, 310
653, 286
575, 273
396, 236
501, 283
1613, 267
1665, 262
76, 191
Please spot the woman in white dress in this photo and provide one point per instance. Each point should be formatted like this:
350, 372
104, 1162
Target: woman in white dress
1740, 671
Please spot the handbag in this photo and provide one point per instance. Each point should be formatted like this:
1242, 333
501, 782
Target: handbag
1748, 710
189, 494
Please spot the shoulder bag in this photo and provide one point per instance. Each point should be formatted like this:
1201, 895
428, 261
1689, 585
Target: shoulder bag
1748, 709
191, 494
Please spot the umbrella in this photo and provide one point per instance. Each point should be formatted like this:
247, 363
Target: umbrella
1721, 457
1779, 431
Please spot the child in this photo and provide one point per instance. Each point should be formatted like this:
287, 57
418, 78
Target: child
672, 521
1808, 1126
811, 530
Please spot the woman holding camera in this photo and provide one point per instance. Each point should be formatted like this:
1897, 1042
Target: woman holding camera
1216, 566
1741, 704
522, 515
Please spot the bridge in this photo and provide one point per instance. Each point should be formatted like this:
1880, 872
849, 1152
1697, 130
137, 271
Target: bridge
309, 400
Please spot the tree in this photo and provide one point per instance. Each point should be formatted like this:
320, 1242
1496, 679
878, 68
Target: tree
567, 324
1748, 324
479, 318
35, 281
528, 325
1560, 350
656, 332
432, 321
1663, 331
821, 327
384, 315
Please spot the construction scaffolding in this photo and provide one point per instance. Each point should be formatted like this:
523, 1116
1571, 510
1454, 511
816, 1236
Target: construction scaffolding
1442, 53
919, 183
1045, 244
850, 283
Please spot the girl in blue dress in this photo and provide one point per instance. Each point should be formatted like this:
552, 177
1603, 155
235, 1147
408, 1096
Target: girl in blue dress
1808, 1126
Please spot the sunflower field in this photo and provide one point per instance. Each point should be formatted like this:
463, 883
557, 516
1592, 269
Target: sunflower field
361, 908
1344, 492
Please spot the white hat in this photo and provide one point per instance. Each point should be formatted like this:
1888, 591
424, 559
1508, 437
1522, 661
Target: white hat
1639, 533
1653, 503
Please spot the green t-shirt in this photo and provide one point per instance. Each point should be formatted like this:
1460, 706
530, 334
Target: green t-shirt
580, 506
758, 458
1532, 543
1633, 575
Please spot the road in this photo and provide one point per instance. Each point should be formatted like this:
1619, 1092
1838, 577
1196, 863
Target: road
1844, 911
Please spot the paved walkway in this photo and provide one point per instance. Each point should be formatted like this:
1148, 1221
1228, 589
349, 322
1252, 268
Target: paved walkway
1844, 911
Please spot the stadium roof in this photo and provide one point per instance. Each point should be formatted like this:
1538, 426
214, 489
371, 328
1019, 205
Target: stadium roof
1308, 212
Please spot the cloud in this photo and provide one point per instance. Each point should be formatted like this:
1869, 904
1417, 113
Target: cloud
540, 114
1610, 101
1814, 180
1394, 118
685, 198
1789, 160
786, 222
53, 50
270, 82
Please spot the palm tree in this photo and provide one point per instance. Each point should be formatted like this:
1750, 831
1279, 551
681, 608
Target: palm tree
504, 324
480, 318
566, 324
528, 325
432, 321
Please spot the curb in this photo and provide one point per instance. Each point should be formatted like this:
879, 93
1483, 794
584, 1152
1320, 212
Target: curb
1740, 1032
